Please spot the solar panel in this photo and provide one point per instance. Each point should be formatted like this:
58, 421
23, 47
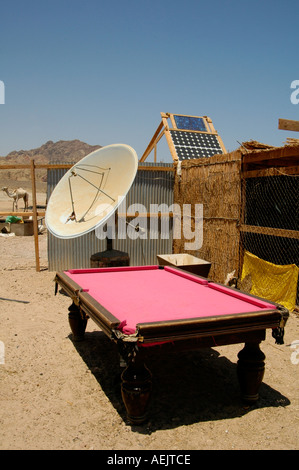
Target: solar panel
190, 123
190, 145
188, 137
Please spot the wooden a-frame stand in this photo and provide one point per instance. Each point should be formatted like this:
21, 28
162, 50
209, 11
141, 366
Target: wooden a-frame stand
168, 124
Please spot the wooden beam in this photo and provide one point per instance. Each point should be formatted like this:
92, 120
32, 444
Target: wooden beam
155, 168
66, 167
292, 170
276, 232
23, 214
281, 154
14, 166
213, 130
168, 137
152, 143
288, 125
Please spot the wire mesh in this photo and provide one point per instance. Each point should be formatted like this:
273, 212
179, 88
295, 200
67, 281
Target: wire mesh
272, 212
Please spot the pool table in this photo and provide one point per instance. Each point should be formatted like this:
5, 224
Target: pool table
162, 309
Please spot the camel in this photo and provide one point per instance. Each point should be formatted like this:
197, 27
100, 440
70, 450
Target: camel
17, 194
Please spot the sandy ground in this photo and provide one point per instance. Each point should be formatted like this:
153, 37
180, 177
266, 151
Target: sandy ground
56, 394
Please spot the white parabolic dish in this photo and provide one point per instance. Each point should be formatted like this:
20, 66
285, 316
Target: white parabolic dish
90, 192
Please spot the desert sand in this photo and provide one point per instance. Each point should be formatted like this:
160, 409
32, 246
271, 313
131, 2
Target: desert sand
57, 394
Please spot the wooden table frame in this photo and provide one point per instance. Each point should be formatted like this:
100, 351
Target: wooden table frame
185, 335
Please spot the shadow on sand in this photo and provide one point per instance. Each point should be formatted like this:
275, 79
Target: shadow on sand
187, 387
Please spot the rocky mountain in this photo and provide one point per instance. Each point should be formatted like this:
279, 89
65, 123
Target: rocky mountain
62, 151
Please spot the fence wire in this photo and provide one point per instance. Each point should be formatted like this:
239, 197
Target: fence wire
272, 203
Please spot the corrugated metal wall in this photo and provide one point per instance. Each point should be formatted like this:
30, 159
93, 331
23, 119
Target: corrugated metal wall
149, 187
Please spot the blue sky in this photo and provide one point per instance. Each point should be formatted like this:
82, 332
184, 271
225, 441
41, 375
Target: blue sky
102, 71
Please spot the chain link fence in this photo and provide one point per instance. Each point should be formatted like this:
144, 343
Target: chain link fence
271, 219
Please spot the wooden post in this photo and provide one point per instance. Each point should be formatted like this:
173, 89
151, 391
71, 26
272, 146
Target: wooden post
241, 222
35, 223
168, 137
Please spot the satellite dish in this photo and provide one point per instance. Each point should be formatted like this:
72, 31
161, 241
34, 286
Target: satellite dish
90, 192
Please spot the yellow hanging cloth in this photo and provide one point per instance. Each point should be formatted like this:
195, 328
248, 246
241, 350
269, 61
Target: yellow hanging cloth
271, 281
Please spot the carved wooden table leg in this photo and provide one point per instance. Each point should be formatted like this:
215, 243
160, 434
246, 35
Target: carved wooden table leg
77, 322
250, 370
136, 390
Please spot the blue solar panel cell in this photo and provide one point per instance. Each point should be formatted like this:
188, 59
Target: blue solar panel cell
190, 123
190, 145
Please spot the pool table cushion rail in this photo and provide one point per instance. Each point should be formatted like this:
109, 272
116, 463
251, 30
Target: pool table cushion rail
257, 301
171, 330
208, 326
100, 315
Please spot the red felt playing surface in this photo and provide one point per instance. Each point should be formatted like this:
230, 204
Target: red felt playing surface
148, 294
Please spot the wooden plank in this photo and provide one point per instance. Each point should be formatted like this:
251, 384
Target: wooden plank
52, 166
169, 139
66, 167
267, 157
276, 232
156, 168
173, 123
22, 214
37, 166
210, 125
152, 143
14, 167
191, 131
292, 170
221, 143
213, 131
288, 125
